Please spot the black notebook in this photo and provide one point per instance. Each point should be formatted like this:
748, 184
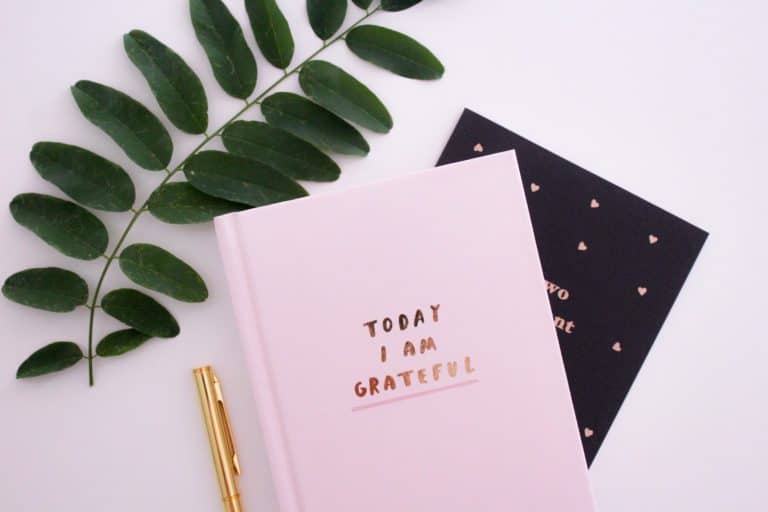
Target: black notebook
613, 263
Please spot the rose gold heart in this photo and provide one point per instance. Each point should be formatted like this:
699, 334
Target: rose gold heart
642, 290
653, 239
535, 187
478, 148
617, 347
583, 246
588, 432
594, 204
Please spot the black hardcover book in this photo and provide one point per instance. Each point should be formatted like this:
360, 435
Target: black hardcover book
613, 263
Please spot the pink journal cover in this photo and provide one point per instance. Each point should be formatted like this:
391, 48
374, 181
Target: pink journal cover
401, 347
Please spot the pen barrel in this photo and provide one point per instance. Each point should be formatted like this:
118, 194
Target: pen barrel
219, 437
232, 504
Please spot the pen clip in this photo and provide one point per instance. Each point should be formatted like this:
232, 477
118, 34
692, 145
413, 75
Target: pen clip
228, 437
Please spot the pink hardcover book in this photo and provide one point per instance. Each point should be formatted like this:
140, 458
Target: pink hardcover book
401, 347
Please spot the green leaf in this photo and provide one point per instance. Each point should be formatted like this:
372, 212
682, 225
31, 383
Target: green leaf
363, 4
157, 269
141, 312
344, 95
397, 5
120, 342
130, 124
181, 203
280, 150
70, 228
222, 38
395, 52
271, 30
84, 176
50, 289
177, 88
240, 179
313, 123
51, 358
326, 16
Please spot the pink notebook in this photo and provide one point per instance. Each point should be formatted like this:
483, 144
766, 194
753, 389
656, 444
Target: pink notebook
401, 347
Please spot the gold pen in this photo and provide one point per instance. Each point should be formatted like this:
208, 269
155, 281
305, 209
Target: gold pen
220, 436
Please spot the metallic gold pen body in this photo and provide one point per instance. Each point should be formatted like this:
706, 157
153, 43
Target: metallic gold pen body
220, 436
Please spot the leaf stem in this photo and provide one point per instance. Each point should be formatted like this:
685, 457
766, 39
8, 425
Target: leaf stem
171, 173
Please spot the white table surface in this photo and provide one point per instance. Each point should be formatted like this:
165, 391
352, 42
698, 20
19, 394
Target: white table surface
665, 98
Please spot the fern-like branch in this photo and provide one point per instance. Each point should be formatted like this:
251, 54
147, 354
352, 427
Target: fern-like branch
172, 172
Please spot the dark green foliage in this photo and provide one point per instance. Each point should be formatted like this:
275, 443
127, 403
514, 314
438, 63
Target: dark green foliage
397, 5
344, 95
51, 289
141, 312
84, 176
70, 228
311, 122
130, 124
181, 203
222, 38
157, 269
240, 179
326, 16
280, 150
262, 165
51, 358
272, 32
120, 342
177, 88
395, 52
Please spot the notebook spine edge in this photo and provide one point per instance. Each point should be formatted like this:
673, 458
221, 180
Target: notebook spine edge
245, 309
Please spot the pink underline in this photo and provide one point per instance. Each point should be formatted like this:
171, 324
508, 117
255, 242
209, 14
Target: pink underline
414, 395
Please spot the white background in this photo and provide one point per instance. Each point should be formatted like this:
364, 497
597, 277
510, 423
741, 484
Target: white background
665, 98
